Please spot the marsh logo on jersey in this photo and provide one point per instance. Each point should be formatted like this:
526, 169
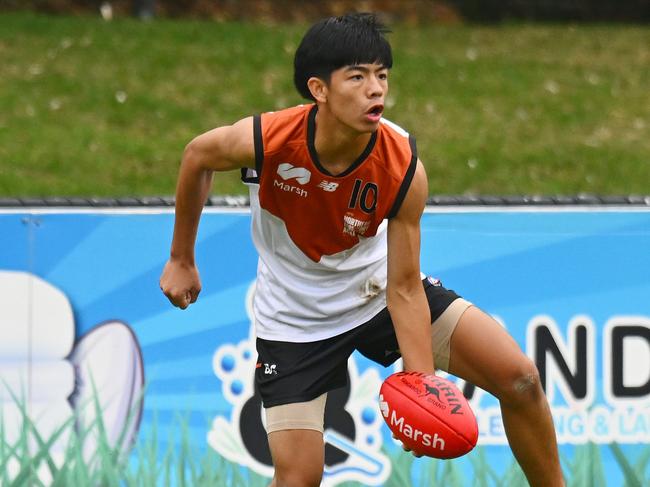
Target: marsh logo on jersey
288, 171
353, 226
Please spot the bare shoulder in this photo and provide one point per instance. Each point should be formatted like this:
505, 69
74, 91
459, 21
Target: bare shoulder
224, 148
416, 197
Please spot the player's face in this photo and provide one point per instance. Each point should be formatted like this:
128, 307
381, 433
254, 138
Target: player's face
356, 95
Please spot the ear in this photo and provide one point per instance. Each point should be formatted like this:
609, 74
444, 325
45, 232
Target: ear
318, 89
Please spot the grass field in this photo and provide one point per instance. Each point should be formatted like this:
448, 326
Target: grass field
94, 108
158, 461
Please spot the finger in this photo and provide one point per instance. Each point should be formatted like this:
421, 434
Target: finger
175, 300
172, 297
186, 300
180, 301
194, 295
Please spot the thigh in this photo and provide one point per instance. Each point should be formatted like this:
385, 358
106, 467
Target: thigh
308, 415
484, 353
289, 372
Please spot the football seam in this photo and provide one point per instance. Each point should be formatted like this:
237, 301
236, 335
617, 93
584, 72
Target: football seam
457, 433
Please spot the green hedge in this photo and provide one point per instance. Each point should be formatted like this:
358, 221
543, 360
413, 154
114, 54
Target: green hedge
416, 11
555, 10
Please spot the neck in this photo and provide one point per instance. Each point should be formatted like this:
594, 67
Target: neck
337, 145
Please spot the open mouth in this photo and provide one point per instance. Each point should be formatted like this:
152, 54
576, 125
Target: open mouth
375, 112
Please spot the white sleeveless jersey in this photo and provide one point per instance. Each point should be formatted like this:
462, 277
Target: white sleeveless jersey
321, 238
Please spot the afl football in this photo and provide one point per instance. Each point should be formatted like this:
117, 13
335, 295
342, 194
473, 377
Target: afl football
428, 414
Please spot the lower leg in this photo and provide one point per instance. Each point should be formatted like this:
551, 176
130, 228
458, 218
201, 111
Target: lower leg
501, 368
531, 434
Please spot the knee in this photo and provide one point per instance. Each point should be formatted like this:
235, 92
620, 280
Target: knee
297, 476
299, 472
298, 457
521, 384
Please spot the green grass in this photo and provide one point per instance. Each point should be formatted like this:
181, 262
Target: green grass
186, 464
105, 108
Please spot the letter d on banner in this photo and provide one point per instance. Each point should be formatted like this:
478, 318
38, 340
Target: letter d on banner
627, 358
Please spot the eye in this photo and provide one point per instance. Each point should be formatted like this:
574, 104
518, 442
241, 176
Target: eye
383, 76
356, 77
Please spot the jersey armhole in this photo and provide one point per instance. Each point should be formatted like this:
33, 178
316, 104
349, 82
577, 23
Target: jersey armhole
247, 174
408, 177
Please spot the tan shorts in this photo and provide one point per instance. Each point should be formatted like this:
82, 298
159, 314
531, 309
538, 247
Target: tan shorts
443, 328
309, 415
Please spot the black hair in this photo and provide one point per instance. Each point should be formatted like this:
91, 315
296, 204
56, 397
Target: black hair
335, 42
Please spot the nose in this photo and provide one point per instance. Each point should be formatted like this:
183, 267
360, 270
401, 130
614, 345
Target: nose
375, 87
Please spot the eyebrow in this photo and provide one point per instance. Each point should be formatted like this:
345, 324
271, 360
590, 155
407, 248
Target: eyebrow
359, 67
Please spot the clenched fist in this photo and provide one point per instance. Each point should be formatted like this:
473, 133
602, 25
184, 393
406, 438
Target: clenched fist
180, 282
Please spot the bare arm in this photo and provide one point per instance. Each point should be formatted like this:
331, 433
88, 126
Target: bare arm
405, 295
221, 149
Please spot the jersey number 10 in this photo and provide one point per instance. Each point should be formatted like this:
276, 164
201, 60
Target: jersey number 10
365, 198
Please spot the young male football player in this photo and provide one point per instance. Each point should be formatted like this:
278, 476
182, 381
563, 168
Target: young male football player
337, 193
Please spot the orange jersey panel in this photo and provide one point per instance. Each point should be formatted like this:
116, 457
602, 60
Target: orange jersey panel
326, 214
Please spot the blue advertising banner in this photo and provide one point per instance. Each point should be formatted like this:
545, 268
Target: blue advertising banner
83, 322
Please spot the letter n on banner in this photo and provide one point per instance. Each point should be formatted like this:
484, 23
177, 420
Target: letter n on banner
568, 364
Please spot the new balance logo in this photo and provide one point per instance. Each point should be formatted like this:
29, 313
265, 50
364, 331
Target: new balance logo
327, 186
288, 171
